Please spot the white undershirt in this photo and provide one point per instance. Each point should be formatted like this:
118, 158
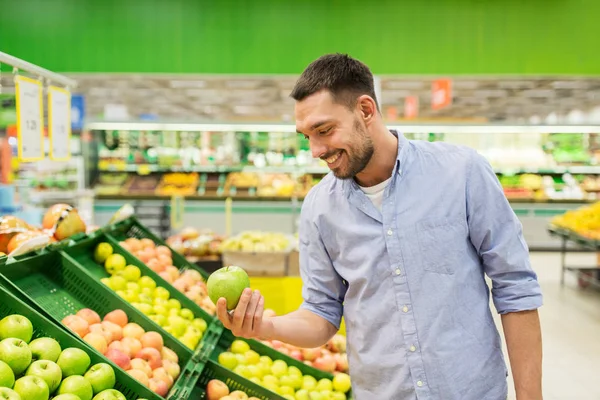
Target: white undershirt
375, 193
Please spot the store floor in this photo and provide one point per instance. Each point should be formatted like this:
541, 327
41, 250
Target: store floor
570, 321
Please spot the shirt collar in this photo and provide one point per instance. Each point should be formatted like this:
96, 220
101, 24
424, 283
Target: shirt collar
349, 184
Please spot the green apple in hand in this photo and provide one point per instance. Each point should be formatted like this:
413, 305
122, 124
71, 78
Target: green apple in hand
110, 394
101, 376
16, 354
47, 370
45, 349
8, 394
73, 361
32, 388
78, 386
7, 376
227, 282
16, 326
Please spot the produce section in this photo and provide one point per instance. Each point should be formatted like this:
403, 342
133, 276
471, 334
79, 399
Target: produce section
142, 307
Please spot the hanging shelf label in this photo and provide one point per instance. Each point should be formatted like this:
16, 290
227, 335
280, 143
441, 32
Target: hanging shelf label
30, 133
59, 123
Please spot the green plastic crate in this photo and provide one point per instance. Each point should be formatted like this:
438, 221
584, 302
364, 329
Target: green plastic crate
227, 338
57, 286
83, 253
213, 370
132, 228
43, 327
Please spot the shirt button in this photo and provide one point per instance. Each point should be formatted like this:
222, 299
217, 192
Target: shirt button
419, 383
390, 232
398, 272
405, 309
413, 348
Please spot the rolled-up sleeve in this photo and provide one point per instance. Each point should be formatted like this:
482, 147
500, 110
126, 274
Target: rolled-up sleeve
497, 235
323, 289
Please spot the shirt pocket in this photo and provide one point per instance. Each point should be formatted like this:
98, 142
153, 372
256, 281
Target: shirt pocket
441, 243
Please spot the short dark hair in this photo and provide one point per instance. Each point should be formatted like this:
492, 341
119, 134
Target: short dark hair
343, 76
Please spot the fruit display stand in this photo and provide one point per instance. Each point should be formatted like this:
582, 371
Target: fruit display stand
56, 286
247, 348
46, 328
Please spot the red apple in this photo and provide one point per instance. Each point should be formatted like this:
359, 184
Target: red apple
115, 330
117, 317
89, 315
297, 354
77, 325
97, 341
162, 374
133, 346
216, 389
140, 376
141, 365
168, 354
151, 355
101, 330
341, 361
158, 386
119, 358
276, 344
172, 368
133, 330
325, 363
166, 276
311, 354
152, 339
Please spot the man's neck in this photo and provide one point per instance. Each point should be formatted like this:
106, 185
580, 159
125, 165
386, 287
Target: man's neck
383, 161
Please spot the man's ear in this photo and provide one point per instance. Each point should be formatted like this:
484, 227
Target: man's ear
367, 108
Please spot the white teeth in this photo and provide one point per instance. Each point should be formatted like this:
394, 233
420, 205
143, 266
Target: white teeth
333, 158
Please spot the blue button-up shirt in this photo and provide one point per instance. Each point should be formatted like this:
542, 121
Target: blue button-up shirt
410, 280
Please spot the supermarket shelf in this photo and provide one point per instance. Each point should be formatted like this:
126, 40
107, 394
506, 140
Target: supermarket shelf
586, 274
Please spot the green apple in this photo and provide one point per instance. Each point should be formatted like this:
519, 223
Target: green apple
45, 349
279, 368
121, 294
268, 361
286, 380
162, 293
131, 296
144, 308
145, 299
287, 396
174, 304
110, 394
242, 370
256, 380
265, 368
32, 388
66, 396
131, 273
324, 384
239, 346
326, 394
309, 383
173, 312
314, 395
254, 371
337, 396
146, 281
102, 252
302, 394
161, 320
73, 361
273, 388
148, 292
16, 354
295, 380
157, 301
200, 324
189, 343
49, 371
160, 310
241, 359
9, 394
228, 360
270, 379
107, 282
228, 282
134, 286
16, 326
252, 357
285, 390
294, 371
341, 383
117, 282
101, 376
7, 376
78, 386
178, 324
187, 314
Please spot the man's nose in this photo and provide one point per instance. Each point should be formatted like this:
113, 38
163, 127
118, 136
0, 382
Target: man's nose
317, 149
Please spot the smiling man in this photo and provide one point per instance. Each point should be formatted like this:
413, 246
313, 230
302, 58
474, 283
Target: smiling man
398, 239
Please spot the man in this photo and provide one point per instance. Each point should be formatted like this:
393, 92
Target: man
398, 239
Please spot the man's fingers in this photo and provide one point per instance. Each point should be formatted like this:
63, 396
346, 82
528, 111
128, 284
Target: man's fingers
249, 317
240, 310
258, 315
222, 313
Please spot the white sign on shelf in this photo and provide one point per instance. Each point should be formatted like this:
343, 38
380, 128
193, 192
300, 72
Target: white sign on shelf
30, 119
59, 123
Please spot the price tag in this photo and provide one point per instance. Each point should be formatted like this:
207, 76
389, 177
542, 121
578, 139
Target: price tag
30, 119
59, 123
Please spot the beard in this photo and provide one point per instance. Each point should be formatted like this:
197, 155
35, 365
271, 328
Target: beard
357, 156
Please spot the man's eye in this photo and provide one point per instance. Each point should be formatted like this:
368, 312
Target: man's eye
326, 131
306, 137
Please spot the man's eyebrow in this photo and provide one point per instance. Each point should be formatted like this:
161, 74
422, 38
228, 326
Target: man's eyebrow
317, 125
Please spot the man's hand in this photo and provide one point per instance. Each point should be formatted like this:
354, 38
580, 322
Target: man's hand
246, 320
